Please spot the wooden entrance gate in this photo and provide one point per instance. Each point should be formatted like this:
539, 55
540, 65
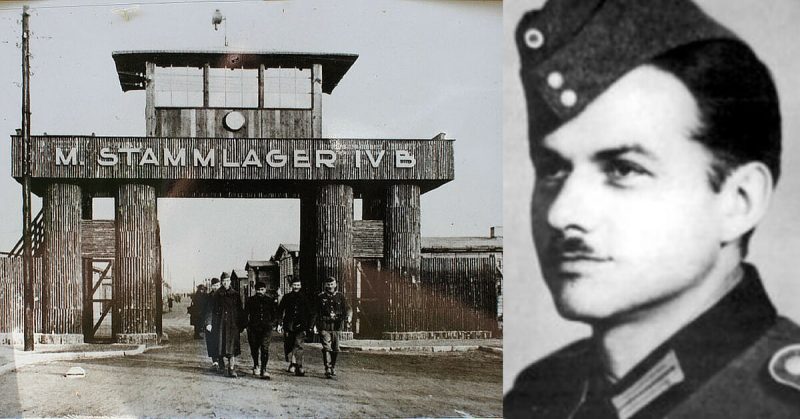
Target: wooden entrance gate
98, 301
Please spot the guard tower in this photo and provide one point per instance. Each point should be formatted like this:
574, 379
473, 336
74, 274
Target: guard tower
225, 124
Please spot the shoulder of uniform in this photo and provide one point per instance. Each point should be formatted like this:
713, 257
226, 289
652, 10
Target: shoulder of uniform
784, 363
547, 384
545, 375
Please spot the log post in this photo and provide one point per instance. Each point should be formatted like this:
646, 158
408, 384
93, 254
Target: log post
62, 288
136, 280
308, 243
402, 248
316, 101
335, 237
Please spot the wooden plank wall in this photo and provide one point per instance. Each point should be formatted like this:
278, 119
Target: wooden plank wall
62, 291
259, 123
454, 294
12, 311
98, 239
368, 239
459, 294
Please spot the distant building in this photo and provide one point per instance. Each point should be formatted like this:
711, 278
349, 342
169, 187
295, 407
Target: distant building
263, 270
287, 257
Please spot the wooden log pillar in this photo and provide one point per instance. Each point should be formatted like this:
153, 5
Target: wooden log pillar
62, 287
334, 255
316, 101
136, 281
308, 243
150, 100
402, 247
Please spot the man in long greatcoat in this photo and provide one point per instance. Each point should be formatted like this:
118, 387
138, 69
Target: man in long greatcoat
211, 338
227, 317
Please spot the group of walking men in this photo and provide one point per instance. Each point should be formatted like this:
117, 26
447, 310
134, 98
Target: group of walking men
221, 315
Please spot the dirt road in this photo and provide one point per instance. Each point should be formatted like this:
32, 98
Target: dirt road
176, 381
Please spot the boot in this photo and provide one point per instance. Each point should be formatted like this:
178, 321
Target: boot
299, 371
221, 364
264, 362
232, 368
334, 355
291, 368
326, 362
264, 374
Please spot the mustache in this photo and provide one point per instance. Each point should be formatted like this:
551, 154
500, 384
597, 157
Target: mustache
571, 247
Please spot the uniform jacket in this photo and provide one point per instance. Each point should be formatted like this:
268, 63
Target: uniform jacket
332, 311
197, 310
715, 367
262, 310
296, 311
226, 318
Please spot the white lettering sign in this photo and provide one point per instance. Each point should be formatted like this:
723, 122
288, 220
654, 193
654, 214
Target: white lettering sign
299, 158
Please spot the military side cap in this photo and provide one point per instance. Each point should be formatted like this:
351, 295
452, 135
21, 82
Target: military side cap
571, 51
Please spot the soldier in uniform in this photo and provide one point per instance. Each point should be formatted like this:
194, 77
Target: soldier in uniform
197, 310
211, 338
332, 315
295, 310
261, 311
655, 137
225, 322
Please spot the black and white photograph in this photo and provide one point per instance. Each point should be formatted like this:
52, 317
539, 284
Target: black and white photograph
651, 183
182, 232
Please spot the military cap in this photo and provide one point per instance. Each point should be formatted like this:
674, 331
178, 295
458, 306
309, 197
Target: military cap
293, 279
214, 281
330, 279
261, 284
224, 275
571, 51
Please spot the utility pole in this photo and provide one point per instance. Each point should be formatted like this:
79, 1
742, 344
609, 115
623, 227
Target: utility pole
27, 256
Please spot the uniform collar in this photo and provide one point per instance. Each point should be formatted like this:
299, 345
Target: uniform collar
693, 355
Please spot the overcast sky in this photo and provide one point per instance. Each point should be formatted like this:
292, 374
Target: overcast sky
424, 67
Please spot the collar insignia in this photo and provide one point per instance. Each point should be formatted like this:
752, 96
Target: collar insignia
664, 375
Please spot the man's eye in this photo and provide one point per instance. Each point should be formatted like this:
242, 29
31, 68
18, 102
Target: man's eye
551, 172
622, 170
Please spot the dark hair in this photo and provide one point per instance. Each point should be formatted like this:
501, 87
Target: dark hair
740, 119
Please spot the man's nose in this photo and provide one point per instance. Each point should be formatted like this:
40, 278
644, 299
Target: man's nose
575, 204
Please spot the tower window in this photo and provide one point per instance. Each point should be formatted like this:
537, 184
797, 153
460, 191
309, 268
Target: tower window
287, 88
233, 88
178, 86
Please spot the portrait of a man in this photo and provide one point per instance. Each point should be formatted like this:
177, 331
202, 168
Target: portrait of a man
655, 134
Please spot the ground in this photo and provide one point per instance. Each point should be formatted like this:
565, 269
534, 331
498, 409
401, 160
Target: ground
175, 380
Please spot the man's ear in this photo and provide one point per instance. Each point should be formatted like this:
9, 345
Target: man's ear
746, 194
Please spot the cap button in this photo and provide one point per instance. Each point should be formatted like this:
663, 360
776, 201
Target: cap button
555, 80
534, 38
569, 98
